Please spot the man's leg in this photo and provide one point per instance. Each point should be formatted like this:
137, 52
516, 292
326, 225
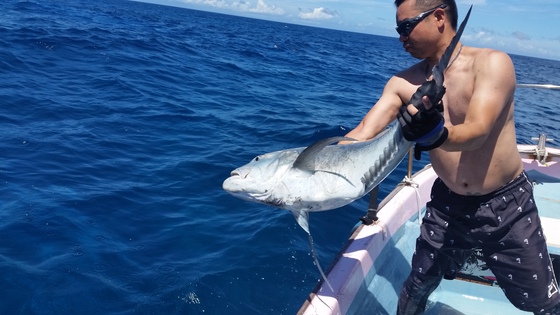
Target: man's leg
415, 292
552, 311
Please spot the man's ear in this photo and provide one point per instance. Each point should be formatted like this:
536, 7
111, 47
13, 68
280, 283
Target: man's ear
440, 15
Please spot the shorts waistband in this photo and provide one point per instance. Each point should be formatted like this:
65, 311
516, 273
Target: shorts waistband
514, 184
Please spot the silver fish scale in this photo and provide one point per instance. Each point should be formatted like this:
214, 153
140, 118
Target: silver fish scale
393, 154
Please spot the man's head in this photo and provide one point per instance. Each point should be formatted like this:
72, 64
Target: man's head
426, 26
426, 5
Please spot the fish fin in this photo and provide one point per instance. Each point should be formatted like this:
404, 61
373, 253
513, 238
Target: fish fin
306, 159
302, 218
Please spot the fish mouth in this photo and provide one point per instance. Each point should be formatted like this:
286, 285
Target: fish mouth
245, 193
238, 173
240, 186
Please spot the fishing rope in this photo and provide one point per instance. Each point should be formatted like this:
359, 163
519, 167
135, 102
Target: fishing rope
410, 182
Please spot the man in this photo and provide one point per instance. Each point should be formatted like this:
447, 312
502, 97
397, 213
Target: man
482, 198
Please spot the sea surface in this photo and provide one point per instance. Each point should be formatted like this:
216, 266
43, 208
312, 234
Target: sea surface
119, 122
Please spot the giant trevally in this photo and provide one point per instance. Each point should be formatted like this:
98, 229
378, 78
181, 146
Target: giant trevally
319, 177
323, 176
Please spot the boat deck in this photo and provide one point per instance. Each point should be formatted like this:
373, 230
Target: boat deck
481, 295
476, 291
548, 202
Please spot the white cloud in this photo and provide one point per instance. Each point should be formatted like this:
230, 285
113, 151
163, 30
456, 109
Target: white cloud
515, 42
241, 6
212, 3
482, 36
267, 9
318, 14
521, 36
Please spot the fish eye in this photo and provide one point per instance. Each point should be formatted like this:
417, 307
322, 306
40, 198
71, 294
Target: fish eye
257, 159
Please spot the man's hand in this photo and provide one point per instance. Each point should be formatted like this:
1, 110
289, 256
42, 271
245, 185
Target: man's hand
423, 124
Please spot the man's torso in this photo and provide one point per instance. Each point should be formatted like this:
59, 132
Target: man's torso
497, 161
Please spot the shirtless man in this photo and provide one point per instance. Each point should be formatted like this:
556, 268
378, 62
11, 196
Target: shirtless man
482, 198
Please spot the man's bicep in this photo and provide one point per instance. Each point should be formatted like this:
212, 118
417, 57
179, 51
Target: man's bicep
493, 91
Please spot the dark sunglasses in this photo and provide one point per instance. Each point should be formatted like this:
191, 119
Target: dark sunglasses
405, 27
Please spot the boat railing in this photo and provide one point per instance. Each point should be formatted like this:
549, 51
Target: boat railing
541, 153
538, 86
540, 150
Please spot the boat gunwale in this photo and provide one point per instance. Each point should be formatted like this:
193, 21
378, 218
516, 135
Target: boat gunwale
364, 232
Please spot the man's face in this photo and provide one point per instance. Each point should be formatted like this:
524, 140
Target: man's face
413, 26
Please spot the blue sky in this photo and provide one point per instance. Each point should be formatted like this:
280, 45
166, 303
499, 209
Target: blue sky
522, 27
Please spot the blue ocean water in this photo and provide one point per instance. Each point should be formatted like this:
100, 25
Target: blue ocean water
120, 120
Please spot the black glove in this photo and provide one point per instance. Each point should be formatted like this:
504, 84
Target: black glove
426, 127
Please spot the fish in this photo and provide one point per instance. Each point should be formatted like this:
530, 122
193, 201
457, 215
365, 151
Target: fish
324, 176
320, 177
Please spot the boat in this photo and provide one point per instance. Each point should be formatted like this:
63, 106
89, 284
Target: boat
368, 273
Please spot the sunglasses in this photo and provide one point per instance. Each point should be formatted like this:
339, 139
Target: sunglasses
405, 27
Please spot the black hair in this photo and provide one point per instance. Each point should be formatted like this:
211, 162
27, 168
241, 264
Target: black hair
424, 5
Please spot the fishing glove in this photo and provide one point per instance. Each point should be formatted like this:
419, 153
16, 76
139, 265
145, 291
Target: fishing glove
426, 127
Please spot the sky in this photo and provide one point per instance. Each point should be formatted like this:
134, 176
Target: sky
522, 27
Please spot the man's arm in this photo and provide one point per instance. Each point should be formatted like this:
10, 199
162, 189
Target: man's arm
381, 114
494, 86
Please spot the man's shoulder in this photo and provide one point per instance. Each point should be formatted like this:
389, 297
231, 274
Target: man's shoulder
412, 70
413, 75
483, 56
490, 66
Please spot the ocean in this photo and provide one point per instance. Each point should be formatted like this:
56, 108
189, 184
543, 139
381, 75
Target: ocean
119, 122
